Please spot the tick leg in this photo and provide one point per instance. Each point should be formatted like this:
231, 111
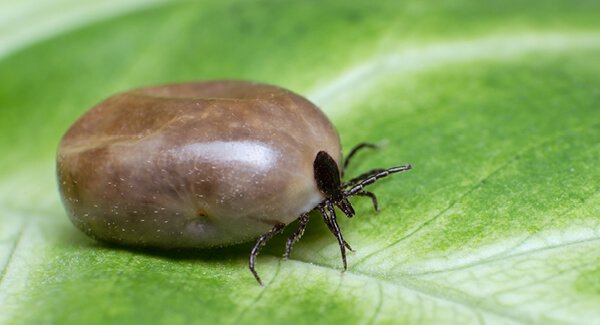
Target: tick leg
338, 234
261, 241
296, 235
372, 196
330, 225
330, 220
359, 187
361, 177
353, 152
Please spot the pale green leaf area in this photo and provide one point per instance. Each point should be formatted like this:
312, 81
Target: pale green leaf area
496, 104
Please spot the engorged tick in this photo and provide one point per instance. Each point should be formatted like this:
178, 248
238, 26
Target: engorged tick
206, 164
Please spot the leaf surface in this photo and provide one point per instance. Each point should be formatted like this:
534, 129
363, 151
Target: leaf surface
495, 105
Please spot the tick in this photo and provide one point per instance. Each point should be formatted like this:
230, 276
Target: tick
206, 164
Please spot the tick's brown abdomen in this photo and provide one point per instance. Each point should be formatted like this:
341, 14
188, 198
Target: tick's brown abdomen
136, 168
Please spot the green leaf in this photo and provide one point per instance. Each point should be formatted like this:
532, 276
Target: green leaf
495, 104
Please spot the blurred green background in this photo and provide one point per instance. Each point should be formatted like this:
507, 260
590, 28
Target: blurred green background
496, 104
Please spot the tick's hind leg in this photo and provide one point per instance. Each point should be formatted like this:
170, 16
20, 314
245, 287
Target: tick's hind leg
261, 241
372, 196
296, 235
353, 152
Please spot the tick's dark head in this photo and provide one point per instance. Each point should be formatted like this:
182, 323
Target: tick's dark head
327, 175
